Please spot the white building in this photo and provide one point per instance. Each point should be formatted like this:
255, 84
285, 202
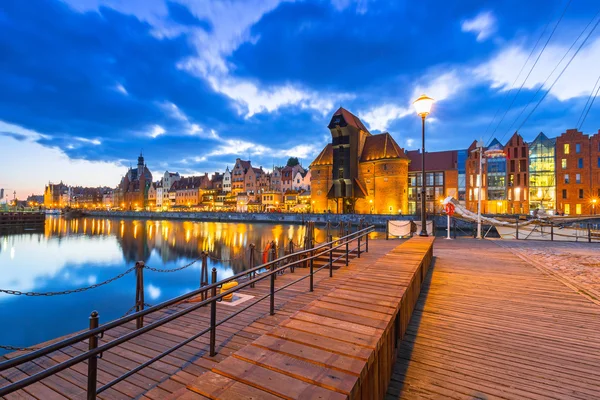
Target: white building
227, 180
159, 193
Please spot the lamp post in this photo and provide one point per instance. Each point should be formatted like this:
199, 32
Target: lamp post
594, 200
423, 107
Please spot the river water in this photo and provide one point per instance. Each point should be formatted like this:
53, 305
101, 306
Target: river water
70, 254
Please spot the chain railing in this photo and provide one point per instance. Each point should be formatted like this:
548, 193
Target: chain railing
96, 331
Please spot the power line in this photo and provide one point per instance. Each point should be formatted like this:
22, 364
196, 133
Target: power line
586, 103
591, 104
558, 77
552, 73
533, 66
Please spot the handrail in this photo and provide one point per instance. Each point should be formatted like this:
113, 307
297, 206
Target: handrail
93, 352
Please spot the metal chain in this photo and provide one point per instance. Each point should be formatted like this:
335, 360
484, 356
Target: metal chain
70, 291
13, 348
174, 269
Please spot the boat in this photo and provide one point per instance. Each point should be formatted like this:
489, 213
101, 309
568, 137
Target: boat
70, 213
541, 227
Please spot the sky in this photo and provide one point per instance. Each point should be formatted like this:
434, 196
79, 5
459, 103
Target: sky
86, 85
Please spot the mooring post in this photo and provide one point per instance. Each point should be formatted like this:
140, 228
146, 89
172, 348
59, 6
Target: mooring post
92, 374
213, 314
251, 264
139, 293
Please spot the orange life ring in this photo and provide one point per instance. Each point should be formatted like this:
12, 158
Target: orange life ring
266, 253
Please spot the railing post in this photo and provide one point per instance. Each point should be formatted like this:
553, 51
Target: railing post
359, 236
251, 263
551, 231
139, 293
387, 230
273, 255
330, 240
367, 242
291, 251
347, 251
589, 233
204, 274
272, 305
517, 231
213, 315
92, 374
312, 253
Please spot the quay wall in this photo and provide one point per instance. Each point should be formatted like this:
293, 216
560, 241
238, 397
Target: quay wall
379, 220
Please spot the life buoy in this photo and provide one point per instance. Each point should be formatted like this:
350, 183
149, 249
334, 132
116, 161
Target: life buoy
450, 209
266, 253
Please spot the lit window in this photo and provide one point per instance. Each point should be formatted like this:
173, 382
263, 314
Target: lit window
566, 178
567, 209
578, 178
563, 163
566, 148
578, 209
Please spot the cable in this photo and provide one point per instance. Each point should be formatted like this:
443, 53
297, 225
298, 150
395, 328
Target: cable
551, 73
515, 81
588, 110
532, 67
561, 72
586, 104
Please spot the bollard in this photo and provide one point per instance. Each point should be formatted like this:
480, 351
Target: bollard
213, 315
253, 273
92, 374
139, 293
330, 240
272, 302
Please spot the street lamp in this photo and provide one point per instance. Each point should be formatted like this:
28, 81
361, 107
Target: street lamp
594, 200
423, 107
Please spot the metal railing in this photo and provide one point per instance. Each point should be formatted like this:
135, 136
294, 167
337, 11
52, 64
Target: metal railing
96, 331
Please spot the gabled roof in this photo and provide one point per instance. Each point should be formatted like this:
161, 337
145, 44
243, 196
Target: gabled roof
245, 164
349, 118
325, 157
435, 161
381, 146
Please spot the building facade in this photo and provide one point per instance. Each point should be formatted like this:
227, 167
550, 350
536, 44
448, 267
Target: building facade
542, 173
517, 182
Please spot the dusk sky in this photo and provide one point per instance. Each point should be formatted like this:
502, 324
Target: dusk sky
86, 84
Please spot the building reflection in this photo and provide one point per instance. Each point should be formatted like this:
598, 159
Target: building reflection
173, 240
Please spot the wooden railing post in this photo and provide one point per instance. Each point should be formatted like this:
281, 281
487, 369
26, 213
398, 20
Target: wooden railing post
204, 274
347, 251
213, 315
291, 251
251, 263
139, 293
367, 242
272, 299
92, 374
312, 253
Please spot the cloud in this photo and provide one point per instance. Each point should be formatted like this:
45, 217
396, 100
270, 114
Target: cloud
156, 131
483, 25
500, 71
379, 118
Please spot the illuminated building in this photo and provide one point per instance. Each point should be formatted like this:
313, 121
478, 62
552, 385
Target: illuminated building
517, 165
542, 173
359, 172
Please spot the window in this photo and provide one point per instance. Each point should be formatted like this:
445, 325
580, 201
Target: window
563, 163
385, 167
566, 178
523, 152
567, 209
578, 148
581, 193
578, 209
566, 148
564, 193
578, 178
580, 163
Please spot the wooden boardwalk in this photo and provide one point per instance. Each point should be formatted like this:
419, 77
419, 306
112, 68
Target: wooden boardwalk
340, 346
183, 366
489, 325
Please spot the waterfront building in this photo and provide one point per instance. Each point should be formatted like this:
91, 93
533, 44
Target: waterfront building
271, 200
275, 183
159, 193
187, 190
542, 173
227, 180
242, 200
517, 182
359, 172
238, 176
169, 178
108, 199
55, 195
441, 179
216, 181
151, 204
301, 180
134, 186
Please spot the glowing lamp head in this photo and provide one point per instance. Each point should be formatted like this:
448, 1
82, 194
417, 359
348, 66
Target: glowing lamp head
594, 201
423, 105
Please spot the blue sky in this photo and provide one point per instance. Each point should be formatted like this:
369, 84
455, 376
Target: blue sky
86, 84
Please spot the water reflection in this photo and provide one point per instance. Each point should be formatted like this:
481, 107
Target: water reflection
70, 254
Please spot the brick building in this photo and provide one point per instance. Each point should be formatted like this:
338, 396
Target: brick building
359, 172
441, 179
238, 176
134, 186
517, 151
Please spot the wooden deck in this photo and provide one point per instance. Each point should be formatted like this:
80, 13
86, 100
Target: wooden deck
340, 346
183, 366
489, 325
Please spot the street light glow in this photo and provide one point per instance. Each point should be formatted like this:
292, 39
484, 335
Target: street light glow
423, 105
